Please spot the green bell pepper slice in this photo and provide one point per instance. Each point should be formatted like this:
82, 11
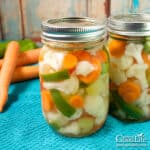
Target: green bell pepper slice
130, 109
61, 104
57, 76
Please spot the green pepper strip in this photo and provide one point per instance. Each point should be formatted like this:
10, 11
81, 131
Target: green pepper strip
57, 76
61, 103
130, 109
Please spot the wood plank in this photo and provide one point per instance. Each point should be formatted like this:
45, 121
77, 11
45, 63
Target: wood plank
144, 6
37, 10
96, 9
120, 6
10, 18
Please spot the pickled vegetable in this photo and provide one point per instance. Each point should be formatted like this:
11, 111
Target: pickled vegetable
61, 104
57, 76
77, 88
130, 78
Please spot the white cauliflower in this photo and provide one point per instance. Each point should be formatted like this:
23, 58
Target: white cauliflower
57, 117
95, 106
138, 71
54, 59
144, 99
84, 68
72, 128
117, 76
68, 86
135, 50
123, 62
76, 115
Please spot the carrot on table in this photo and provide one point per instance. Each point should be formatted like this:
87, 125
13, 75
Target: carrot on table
130, 91
70, 61
116, 47
76, 101
8, 67
25, 58
25, 73
47, 103
91, 77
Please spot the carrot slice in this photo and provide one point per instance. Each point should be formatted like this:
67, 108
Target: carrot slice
130, 91
70, 61
146, 58
82, 55
117, 47
102, 55
47, 103
76, 101
91, 77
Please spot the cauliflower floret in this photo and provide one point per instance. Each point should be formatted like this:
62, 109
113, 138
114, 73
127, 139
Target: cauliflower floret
72, 128
146, 110
144, 99
84, 68
124, 62
57, 117
135, 50
69, 86
117, 76
76, 115
138, 71
95, 106
54, 59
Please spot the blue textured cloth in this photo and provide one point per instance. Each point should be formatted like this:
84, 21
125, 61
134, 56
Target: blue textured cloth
22, 126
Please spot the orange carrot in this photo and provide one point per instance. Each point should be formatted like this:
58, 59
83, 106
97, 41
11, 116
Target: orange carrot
25, 58
25, 73
117, 47
8, 67
146, 58
82, 55
76, 101
102, 55
91, 77
130, 91
70, 61
47, 103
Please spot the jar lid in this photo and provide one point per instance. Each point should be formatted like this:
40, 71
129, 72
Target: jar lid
72, 29
130, 24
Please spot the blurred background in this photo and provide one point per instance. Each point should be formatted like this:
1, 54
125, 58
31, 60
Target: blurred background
21, 19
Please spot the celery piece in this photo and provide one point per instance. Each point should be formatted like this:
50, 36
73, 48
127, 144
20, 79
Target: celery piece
61, 104
86, 124
105, 67
147, 47
130, 109
57, 76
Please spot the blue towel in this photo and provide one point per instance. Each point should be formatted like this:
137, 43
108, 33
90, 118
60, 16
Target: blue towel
22, 126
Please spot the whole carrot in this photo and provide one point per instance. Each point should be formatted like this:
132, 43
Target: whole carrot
25, 73
25, 58
8, 67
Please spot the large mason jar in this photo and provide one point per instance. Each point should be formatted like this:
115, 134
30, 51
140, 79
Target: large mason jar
73, 70
129, 50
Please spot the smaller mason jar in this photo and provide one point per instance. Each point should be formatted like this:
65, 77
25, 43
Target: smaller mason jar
129, 50
74, 78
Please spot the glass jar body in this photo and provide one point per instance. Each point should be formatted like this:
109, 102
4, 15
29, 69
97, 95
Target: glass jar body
74, 82
129, 77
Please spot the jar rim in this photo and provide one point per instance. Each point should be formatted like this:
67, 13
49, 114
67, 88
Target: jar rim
130, 24
73, 29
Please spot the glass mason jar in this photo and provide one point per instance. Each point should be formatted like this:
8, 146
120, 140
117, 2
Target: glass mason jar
73, 70
129, 50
